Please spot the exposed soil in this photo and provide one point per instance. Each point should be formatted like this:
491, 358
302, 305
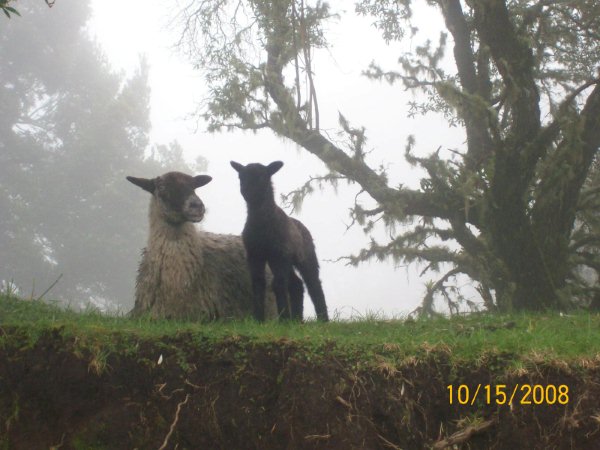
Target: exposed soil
241, 394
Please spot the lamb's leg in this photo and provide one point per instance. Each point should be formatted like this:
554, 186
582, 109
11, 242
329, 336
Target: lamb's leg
281, 273
259, 283
309, 270
296, 290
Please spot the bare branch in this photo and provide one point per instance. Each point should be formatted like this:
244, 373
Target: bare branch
464, 435
397, 203
427, 303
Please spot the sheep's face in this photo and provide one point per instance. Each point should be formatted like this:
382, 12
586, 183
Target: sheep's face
255, 180
175, 196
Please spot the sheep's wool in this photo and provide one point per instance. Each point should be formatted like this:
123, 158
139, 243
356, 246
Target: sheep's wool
191, 275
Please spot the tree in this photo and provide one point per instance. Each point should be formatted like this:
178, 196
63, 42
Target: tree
71, 129
585, 239
8, 10
522, 83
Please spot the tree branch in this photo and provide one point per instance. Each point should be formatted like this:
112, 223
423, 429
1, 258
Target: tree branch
551, 131
478, 139
462, 436
427, 303
397, 202
559, 190
514, 60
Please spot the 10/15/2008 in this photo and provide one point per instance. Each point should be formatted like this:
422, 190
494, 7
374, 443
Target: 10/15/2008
500, 394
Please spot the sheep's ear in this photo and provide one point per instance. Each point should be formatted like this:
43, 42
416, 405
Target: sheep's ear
145, 183
201, 180
274, 167
237, 166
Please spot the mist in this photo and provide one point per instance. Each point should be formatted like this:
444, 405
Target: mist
98, 91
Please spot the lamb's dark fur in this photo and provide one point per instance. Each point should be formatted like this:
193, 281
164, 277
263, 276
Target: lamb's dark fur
186, 273
271, 236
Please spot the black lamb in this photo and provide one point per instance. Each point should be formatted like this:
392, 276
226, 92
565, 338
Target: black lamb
271, 236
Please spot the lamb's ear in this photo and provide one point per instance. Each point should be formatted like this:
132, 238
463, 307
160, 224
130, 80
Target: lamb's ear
145, 183
201, 180
237, 166
274, 167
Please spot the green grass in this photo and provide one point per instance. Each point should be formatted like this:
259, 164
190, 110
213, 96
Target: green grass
521, 336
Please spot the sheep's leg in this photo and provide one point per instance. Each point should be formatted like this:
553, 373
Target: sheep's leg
281, 275
296, 290
259, 283
310, 274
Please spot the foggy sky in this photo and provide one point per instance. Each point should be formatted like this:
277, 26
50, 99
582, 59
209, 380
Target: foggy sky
177, 89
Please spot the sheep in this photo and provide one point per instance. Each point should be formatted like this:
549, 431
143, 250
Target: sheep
184, 273
271, 236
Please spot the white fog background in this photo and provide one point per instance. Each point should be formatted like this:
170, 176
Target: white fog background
127, 30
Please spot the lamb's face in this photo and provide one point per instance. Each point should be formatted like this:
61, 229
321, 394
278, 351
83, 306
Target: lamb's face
175, 196
255, 180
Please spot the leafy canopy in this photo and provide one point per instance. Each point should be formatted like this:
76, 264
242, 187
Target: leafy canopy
71, 129
520, 77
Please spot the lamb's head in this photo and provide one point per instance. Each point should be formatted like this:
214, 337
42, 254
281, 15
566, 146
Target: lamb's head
255, 180
174, 195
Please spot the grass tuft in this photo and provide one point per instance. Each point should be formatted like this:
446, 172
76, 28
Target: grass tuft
522, 338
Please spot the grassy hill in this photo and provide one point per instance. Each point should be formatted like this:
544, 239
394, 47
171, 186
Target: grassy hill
88, 381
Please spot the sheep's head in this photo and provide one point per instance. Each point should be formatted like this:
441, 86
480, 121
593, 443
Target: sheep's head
255, 180
175, 196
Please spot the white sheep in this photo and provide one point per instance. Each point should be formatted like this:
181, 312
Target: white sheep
185, 273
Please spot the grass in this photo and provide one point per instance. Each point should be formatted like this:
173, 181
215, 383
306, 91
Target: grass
521, 336
369, 371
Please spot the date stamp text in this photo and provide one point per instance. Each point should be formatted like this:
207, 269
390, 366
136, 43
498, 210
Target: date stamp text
501, 394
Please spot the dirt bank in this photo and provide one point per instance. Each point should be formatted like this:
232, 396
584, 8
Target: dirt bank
187, 393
